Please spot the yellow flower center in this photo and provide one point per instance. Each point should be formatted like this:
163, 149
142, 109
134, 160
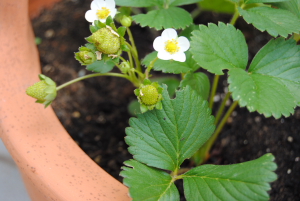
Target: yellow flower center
172, 46
103, 13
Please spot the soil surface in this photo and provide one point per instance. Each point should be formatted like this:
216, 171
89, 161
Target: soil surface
95, 113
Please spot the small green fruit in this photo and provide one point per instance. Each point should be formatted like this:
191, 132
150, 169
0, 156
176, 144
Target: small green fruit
106, 41
85, 56
44, 91
37, 90
149, 95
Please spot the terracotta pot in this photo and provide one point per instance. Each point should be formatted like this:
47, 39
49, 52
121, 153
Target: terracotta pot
53, 167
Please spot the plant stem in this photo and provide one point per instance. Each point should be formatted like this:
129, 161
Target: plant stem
221, 109
235, 16
213, 91
92, 75
203, 153
196, 12
150, 67
134, 50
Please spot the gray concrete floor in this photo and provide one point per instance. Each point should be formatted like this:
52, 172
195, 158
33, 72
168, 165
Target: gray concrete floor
11, 184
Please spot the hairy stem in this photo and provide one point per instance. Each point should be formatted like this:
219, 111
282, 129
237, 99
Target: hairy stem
93, 75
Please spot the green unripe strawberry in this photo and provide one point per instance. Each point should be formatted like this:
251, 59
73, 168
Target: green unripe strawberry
44, 91
149, 95
37, 90
85, 56
106, 41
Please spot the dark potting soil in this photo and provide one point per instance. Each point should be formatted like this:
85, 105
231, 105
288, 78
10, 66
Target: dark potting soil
95, 113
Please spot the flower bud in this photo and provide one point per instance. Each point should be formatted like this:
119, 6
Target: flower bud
85, 56
44, 90
106, 41
126, 21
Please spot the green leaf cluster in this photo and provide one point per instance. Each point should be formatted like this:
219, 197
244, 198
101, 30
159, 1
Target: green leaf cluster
165, 15
162, 139
271, 83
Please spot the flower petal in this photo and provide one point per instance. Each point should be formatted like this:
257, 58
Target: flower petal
169, 34
91, 16
179, 56
159, 44
183, 43
97, 4
113, 12
164, 55
110, 4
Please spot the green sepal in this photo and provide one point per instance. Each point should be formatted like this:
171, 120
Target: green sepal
125, 48
99, 24
91, 46
122, 31
93, 29
109, 20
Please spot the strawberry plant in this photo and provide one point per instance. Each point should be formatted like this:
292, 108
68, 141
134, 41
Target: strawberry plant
167, 131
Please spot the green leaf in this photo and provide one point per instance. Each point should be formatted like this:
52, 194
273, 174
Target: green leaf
171, 66
172, 17
263, 1
272, 84
292, 6
165, 138
274, 21
101, 66
187, 32
171, 82
221, 6
149, 3
216, 48
138, 3
182, 2
247, 181
199, 82
146, 183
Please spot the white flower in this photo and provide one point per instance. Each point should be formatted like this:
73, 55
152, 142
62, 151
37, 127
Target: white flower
100, 10
170, 46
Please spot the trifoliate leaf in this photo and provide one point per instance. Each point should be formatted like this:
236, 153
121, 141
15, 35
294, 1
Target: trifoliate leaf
171, 66
272, 84
173, 17
199, 82
247, 181
274, 21
220, 6
165, 138
146, 183
292, 6
216, 48
101, 66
